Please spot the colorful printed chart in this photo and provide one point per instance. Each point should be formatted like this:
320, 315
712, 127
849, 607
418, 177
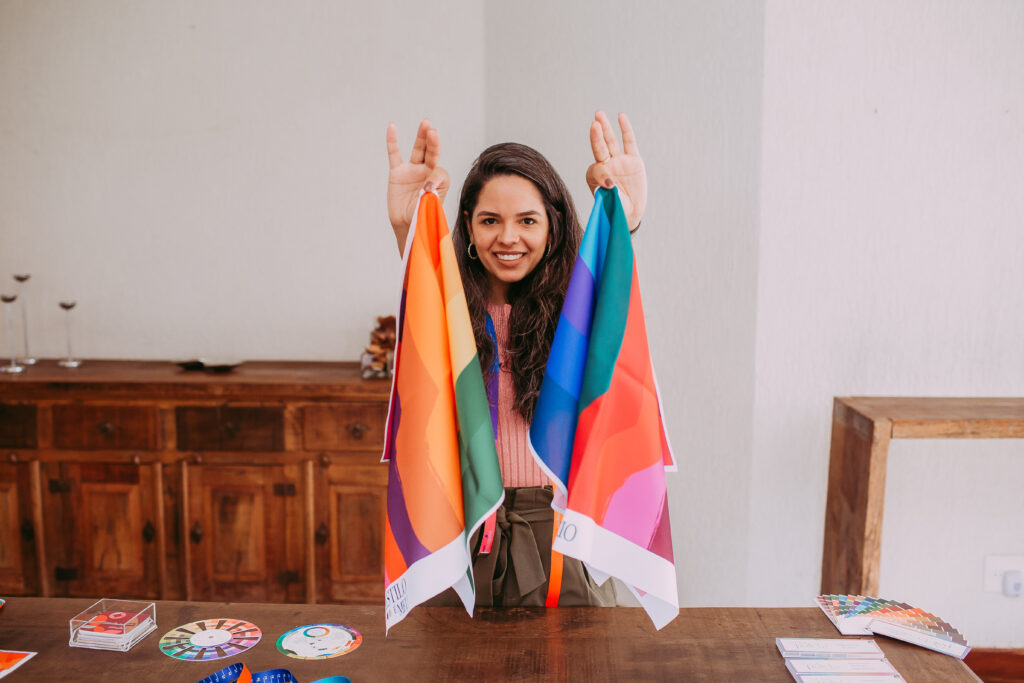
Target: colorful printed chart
866, 615
115, 622
11, 660
319, 641
210, 639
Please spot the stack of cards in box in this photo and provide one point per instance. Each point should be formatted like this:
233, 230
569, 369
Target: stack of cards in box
113, 625
834, 660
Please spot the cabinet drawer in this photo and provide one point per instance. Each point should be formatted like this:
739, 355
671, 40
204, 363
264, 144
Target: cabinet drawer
105, 427
229, 428
17, 425
344, 426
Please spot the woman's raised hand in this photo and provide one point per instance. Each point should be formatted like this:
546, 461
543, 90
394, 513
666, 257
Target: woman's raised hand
407, 178
618, 166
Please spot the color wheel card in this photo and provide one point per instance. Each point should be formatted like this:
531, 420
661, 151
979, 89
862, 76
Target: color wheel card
319, 641
202, 641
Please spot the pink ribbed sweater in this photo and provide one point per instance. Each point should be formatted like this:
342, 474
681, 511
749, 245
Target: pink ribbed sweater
517, 465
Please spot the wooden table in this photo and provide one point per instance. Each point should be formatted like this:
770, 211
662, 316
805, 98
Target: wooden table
861, 430
443, 643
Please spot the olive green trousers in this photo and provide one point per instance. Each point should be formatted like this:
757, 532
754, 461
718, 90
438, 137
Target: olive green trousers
515, 573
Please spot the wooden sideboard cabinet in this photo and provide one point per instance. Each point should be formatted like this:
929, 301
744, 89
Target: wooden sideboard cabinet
139, 479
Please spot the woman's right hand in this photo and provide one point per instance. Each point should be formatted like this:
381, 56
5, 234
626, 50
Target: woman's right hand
407, 178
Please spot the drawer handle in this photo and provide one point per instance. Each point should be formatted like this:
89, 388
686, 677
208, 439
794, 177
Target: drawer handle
12, 456
286, 578
28, 532
357, 429
229, 429
148, 532
196, 535
107, 428
65, 573
322, 534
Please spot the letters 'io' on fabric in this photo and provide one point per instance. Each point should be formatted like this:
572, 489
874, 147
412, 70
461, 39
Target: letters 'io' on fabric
598, 430
443, 475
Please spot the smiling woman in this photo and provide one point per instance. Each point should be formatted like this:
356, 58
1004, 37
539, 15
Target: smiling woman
516, 238
508, 232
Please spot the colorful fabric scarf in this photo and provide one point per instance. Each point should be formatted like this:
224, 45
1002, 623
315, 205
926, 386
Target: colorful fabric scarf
598, 431
443, 475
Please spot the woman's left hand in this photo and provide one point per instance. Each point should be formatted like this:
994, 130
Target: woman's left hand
618, 166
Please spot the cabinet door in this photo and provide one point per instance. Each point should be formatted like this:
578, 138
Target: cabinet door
101, 529
18, 571
349, 512
245, 533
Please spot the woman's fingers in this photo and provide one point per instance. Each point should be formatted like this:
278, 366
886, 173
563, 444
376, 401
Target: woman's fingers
419, 148
433, 151
439, 181
598, 144
394, 153
628, 137
425, 150
604, 142
609, 134
599, 177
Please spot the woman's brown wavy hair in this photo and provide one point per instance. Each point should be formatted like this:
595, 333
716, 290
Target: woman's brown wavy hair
536, 299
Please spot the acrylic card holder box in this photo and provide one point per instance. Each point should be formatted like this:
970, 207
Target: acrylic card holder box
113, 624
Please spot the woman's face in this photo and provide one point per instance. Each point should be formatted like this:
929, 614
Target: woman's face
510, 230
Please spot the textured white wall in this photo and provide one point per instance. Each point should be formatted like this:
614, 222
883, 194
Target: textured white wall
890, 263
688, 74
209, 177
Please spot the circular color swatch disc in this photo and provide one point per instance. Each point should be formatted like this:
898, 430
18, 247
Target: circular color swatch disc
319, 641
209, 639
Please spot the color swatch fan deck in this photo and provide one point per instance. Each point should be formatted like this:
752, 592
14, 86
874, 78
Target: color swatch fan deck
864, 615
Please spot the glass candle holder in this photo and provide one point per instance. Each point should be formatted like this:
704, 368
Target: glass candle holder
70, 361
26, 357
8, 301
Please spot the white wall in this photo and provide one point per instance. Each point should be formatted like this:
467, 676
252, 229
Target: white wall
890, 263
207, 178
688, 74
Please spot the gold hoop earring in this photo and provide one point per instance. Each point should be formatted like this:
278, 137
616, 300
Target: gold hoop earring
469, 250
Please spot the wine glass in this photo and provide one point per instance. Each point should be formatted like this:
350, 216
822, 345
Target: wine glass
70, 361
8, 300
26, 357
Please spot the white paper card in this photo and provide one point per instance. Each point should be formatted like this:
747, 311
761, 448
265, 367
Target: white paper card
826, 648
840, 666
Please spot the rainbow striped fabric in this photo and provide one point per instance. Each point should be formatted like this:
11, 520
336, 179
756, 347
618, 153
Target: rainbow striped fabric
598, 431
443, 475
